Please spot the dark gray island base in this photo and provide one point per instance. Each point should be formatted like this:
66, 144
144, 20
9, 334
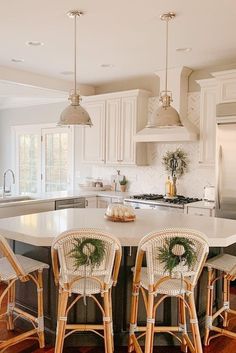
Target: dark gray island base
121, 302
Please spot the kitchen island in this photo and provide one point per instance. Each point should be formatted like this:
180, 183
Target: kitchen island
33, 235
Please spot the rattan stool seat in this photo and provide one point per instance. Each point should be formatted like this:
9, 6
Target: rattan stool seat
28, 265
222, 262
86, 286
171, 287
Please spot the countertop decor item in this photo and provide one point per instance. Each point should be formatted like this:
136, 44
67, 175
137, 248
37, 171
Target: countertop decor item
120, 213
166, 115
177, 251
74, 114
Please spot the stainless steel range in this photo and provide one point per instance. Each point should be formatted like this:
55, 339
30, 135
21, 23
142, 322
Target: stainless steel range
159, 202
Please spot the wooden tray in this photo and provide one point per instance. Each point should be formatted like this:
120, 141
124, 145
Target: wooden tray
117, 219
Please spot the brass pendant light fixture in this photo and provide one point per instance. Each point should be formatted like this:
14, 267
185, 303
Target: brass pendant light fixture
165, 115
75, 114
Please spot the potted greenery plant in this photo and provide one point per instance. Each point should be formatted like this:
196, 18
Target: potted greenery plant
123, 184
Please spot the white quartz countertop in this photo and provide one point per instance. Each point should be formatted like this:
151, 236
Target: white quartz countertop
41, 228
60, 196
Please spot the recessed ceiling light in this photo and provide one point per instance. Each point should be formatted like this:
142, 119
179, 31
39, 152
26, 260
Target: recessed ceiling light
67, 73
184, 50
34, 43
17, 60
107, 65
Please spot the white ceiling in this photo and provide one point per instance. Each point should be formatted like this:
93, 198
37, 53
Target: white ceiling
126, 33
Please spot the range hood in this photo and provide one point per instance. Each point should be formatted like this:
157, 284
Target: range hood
178, 83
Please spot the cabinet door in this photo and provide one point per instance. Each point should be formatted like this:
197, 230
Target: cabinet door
207, 126
197, 211
126, 144
103, 202
91, 202
93, 138
112, 130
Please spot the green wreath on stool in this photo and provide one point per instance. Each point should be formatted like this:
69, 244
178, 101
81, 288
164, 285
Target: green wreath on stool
88, 252
175, 251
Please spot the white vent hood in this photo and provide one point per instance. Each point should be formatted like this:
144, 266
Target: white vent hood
178, 84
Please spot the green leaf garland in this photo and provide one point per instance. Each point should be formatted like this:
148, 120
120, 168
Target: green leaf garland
171, 260
88, 252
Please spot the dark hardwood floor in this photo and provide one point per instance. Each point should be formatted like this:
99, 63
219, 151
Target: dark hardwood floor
218, 345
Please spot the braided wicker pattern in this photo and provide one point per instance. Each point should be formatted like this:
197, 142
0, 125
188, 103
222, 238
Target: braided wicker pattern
16, 266
96, 277
154, 241
223, 262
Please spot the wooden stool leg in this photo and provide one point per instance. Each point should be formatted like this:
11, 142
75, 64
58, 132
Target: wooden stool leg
182, 323
194, 324
11, 306
150, 323
209, 306
40, 309
61, 321
226, 299
111, 316
133, 315
107, 324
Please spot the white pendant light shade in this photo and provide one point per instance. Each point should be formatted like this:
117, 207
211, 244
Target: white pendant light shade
74, 114
165, 115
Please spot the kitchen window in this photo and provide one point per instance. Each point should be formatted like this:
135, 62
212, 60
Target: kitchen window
43, 158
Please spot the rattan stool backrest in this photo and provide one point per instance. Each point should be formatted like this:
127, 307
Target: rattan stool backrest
152, 243
64, 263
6, 251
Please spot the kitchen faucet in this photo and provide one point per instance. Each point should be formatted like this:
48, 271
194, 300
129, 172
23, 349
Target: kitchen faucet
4, 181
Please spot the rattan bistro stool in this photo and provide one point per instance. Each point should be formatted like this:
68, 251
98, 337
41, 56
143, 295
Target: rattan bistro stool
82, 279
226, 264
156, 284
15, 268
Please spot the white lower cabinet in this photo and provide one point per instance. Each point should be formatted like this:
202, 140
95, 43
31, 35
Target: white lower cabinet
103, 202
91, 202
20, 209
116, 118
200, 208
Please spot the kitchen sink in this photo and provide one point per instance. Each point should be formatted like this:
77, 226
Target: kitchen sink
8, 199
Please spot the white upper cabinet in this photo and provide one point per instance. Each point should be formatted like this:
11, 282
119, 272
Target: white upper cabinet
93, 145
226, 86
207, 122
116, 118
113, 115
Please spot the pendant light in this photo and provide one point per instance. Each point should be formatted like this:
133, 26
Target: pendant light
165, 115
74, 114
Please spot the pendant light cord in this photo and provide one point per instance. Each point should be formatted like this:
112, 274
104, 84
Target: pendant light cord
167, 35
75, 57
